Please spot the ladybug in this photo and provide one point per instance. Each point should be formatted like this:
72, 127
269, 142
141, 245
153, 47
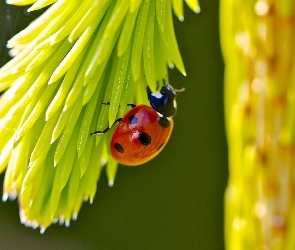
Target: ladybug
143, 132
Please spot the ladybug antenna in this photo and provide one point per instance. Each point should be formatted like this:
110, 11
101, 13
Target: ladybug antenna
179, 90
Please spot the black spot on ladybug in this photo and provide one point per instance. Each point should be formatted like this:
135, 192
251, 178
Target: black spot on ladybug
160, 146
144, 138
119, 147
163, 121
133, 119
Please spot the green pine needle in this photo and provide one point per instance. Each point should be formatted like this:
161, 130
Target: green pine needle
72, 58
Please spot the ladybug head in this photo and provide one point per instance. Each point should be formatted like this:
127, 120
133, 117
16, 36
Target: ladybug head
164, 101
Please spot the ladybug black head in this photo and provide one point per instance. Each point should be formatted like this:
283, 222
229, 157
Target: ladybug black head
164, 101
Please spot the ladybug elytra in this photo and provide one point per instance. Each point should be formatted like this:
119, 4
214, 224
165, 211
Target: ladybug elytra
143, 132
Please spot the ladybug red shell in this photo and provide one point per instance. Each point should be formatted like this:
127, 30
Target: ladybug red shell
140, 136
143, 132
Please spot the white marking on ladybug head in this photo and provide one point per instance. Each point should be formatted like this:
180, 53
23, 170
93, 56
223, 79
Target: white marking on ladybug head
159, 114
157, 94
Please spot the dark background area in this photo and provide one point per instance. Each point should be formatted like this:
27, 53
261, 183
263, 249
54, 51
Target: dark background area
176, 200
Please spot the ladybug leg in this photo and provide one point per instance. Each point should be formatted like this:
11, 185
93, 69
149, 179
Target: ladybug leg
107, 129
118, 120
131, 105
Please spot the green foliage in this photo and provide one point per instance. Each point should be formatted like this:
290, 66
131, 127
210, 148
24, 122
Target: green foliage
75, 56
